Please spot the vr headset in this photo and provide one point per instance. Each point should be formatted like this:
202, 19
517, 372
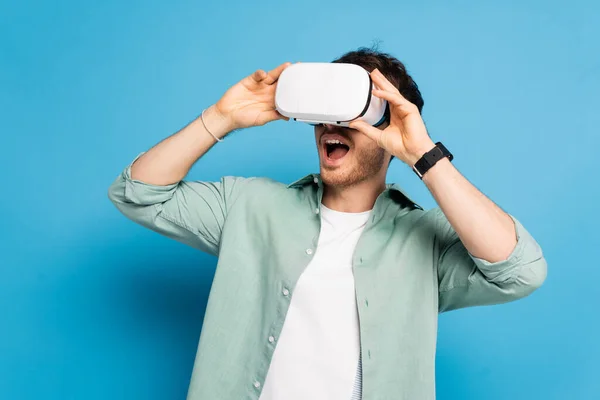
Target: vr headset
328, 93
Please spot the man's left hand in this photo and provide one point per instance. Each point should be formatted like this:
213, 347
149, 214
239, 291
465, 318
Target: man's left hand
405, 137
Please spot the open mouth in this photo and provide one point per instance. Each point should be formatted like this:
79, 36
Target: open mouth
335, 149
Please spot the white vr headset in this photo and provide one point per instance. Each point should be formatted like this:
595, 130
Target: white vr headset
328, 93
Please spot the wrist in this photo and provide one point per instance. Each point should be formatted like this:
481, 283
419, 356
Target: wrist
216, 122
442, 168
419, 151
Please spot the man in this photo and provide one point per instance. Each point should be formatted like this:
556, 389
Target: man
329, 288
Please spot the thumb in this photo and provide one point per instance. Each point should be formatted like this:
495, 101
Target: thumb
268, 116
370, 131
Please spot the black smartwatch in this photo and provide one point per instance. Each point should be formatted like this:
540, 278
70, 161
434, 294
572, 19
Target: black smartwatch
430, 158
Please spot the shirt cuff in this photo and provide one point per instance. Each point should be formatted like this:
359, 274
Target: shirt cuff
526, 250
138, 192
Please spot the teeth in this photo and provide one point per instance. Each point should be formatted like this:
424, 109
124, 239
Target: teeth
333, 141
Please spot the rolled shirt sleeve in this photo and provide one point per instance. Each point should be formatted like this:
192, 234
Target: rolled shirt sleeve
191, 212
465, 280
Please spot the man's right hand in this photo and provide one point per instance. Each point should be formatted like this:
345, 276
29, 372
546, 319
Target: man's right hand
251, 102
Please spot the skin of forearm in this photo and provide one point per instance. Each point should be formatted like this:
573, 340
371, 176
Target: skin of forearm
484, 228
170, 160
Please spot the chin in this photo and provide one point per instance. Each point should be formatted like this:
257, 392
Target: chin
337, 176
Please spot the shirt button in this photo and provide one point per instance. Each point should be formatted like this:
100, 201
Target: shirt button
309, 251
257, 384
285, 292
316, 180
271, 339
316, 211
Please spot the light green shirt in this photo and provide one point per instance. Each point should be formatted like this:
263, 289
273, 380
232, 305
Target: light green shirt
409, 265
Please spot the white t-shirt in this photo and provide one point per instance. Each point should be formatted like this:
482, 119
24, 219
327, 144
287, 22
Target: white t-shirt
317, 355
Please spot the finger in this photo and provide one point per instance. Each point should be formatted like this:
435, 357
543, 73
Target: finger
372, 132
274, 74
268, 116
395, 99
382, 82
258, 76
401, 104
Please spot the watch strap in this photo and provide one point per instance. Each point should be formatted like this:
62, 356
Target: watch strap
430, 158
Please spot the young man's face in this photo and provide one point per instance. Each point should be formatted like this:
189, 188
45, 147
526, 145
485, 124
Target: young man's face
355, 160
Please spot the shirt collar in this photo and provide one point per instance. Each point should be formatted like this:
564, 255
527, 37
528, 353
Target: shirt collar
316, 179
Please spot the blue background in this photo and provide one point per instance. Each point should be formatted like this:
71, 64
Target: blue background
93, 306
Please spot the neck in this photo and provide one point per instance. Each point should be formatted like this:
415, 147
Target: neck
356, 198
